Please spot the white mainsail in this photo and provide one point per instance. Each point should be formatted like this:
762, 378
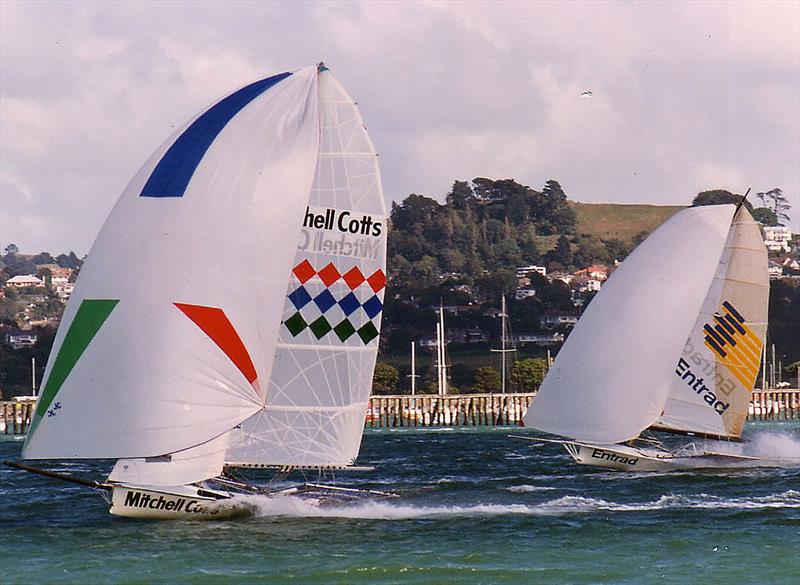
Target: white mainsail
328, 342
612, 377
171, 339
716, 372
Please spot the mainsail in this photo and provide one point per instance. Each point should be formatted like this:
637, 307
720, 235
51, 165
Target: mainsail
716, 372
612, 377
176, 336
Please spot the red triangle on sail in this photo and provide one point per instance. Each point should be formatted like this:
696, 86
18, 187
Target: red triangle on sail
216, 325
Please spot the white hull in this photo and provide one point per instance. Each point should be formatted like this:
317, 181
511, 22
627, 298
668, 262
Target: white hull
627, 458
191, 502
176, 503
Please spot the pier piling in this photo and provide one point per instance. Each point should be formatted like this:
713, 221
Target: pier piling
470, 410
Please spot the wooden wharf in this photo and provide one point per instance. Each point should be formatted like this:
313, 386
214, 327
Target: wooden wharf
453, 410
430, 410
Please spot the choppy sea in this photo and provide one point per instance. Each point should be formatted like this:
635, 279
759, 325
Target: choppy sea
476, 507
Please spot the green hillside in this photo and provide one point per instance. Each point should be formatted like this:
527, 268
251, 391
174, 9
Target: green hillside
620, 220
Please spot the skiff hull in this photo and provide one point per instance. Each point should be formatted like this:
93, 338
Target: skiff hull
626, 458
179, 503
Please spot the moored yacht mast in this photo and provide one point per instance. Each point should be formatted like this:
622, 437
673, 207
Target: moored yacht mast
503, 337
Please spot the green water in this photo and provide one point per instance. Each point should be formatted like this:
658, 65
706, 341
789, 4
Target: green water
480, 508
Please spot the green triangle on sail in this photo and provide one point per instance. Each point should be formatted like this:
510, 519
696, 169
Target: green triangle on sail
87, 322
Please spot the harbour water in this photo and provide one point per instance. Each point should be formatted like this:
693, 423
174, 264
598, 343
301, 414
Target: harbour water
476, 507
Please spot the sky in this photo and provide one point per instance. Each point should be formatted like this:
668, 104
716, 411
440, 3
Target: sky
684, 96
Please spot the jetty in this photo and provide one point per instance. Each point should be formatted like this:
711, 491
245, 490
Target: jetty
454, 410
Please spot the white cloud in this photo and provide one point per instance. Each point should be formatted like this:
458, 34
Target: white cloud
685, 95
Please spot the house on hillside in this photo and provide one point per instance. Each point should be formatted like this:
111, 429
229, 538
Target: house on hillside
775, 270
524, 293
594, 272
19, 339
553, 319
63, 290
470, 335
776, 238
28, 280
543, 339
564, 277
788, 261
526, 271
586, 284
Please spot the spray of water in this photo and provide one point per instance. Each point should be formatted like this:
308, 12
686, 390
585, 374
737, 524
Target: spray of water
772, 448
290, 506
775, 445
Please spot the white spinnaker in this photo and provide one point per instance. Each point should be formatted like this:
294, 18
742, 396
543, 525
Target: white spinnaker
611, 378
321, 381
704, 378
151, 381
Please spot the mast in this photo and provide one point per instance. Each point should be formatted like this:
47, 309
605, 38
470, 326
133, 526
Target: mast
440, 356
33, 376
413, 374
503, 351
773, 381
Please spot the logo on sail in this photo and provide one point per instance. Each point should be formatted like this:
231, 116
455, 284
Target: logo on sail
734, 344
323, 304
343, 221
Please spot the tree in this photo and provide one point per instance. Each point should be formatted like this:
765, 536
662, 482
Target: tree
639, 238
550, 210
384, 381
719, 197
775, 200
68, 261
426, 271
43, 258
562, 253
461, 196
616, 249
590, 250
527, 374
487, 379
461, 375
765, 216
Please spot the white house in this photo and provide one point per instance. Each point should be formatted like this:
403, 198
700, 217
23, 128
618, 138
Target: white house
63, 290
19, 339
541, 338
775, 270
25, 281
524, 293
524, 271
776, 238
558, 319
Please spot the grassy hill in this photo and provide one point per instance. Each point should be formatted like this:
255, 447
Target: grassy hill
620, 220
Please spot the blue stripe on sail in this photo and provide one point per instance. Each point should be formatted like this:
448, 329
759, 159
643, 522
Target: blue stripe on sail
176, 167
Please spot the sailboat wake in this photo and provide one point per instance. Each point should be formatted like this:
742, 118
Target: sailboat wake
290, 506
773, 448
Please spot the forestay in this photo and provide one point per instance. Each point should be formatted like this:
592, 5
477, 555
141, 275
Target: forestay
332, 307
716, 372
612, 377
169, 337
